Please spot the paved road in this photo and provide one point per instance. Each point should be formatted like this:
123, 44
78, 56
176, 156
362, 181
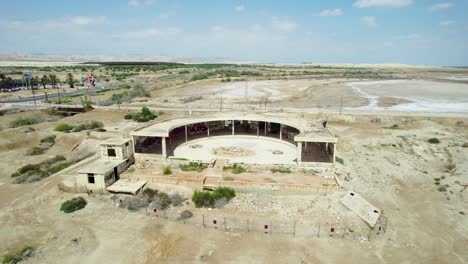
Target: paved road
56, 95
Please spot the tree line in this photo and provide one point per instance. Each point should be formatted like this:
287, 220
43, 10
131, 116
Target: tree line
35, 82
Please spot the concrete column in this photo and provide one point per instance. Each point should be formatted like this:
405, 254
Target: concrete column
208, 126
281, 131
133, 144
334, 153
164, 150
266, 127
258, 128
186, 134
233, 127
299, 152
305, 146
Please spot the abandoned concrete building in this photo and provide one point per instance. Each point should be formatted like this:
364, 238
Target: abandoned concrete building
228, 137
116, 156
313, 143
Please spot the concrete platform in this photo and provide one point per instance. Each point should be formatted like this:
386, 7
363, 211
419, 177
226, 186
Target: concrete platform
127, 186
360, 206
252, 150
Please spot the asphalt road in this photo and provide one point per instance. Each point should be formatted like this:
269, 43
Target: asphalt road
56, 95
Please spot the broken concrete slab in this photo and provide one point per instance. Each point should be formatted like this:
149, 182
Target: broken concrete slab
360, 206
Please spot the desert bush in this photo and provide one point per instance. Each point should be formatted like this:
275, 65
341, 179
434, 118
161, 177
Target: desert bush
84, 126
19, 256
63, 128
144, 115
34, 172
28, 130
128, 116
192, 166
434, 141
208, 199
35, 151
203, 199
236, 169
185, 214
228, 178
177, 199
73, 205
225, 192
150, 193
23, 122
167, 170
281, 170
465, 145
339, 160
49, 139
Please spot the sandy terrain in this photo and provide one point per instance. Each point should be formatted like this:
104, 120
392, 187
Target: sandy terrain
392, 168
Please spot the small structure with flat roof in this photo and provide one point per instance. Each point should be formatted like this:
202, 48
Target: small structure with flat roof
116, 157
127, 186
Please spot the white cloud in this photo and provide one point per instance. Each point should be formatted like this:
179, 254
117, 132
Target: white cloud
382, 3
283, 24
329, 12
256, 27
240, 8
83, 21
440, 6
136, 3
447, 23
371, 21
151, 33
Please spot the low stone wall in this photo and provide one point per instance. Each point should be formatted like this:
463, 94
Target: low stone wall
253, 186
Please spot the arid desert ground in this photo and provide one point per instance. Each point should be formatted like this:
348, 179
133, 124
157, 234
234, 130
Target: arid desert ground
383, 118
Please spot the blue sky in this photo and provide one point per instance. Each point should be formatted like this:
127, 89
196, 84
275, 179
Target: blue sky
423, 32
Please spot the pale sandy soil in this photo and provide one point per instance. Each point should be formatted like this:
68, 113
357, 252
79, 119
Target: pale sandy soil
392, 168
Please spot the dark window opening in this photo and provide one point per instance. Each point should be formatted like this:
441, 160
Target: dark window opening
91, 178
111, 152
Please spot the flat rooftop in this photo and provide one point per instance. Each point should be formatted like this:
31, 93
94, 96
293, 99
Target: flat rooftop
126, 186
115, 141
101, 166
309, 131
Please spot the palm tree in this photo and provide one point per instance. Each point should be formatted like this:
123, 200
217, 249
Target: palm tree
70, 80
44, 81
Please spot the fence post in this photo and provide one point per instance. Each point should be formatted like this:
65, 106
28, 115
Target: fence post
225, 225
248, 227
318, 232
294, 228
203, 221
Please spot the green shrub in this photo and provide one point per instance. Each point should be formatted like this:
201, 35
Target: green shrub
192, 166
236, 169
144, 115
73, 205
442, 188
150, 192
23, 122
35, 151
281, 170
465, 145
128, 116
167, 170
434, 141
18, 257
63, 128
203, 199
226, 192
49, 139
393, 127
339, 160
208, 199
41, 170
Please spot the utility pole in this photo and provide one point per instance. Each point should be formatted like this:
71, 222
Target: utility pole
341, 105
221, 103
